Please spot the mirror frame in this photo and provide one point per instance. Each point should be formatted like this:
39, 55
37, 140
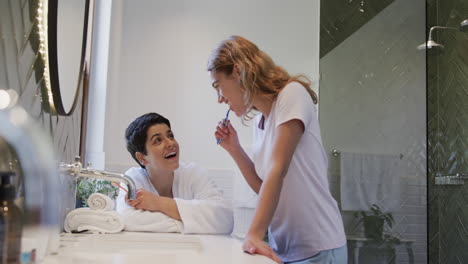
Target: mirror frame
53, 67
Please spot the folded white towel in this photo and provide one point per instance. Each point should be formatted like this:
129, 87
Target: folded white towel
93, 220
99, 201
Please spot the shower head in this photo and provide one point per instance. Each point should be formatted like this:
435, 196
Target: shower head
430, 44
464, 25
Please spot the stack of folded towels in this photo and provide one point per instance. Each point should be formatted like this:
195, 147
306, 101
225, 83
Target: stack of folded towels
98, 218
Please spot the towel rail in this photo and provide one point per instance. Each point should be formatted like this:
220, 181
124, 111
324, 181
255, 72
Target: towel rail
337, 153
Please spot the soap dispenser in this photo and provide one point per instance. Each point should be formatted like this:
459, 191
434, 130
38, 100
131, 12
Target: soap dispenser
11, 221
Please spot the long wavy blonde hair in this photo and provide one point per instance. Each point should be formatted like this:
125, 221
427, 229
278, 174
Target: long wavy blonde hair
259, 75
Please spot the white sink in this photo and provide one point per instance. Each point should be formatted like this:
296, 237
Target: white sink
136, 247
129, 243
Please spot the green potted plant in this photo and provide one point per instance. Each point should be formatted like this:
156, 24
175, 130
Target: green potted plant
86, 187
374, 221
381, 244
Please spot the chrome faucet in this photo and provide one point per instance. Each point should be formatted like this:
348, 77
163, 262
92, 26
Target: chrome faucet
76, 169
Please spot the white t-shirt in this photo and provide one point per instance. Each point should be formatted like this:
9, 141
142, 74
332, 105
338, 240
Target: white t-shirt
200, 203
307, 219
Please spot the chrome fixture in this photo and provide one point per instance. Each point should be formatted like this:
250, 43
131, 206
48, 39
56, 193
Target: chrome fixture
335, 153
464, 25
76, 169
432, 44
455, 179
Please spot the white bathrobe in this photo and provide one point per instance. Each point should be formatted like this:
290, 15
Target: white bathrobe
200, 203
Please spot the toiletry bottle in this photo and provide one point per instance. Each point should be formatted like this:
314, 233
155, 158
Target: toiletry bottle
11, 223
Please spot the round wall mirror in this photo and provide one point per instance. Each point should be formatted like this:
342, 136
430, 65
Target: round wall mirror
67, 41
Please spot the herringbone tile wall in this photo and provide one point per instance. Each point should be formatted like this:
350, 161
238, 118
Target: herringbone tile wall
339, 19
22, 69
448, 134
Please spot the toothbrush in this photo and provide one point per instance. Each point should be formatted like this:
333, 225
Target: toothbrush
225, 124
120, 186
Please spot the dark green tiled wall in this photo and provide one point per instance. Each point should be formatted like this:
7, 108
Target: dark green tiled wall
448, 133
341, 18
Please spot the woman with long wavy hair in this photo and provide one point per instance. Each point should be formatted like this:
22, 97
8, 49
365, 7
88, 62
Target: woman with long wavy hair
288, 161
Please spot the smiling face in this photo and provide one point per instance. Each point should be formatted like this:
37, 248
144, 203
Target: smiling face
162, 149
230, 90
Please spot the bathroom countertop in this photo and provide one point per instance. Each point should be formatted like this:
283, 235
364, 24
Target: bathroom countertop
140, 247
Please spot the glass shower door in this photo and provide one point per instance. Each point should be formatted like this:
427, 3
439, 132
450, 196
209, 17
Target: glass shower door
372, 112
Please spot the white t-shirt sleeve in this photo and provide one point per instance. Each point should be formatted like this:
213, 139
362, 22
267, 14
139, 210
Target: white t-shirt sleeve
208, 212
294, 102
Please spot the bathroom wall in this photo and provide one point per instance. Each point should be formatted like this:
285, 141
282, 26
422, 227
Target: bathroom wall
447, 132
21, 69
158, 56
372, 101
340, 19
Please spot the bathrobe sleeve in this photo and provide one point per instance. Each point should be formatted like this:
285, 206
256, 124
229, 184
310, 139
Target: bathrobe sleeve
146, 221
202, 207
141, 220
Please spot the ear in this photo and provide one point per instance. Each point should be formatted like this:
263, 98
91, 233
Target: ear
141, 158
236, 71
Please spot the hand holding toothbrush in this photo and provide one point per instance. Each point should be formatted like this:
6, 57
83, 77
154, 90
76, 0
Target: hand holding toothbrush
224, 124
226, 135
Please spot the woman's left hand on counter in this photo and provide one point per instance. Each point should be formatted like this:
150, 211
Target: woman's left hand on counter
257, 246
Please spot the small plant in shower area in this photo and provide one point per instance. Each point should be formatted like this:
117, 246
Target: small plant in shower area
374, 222
381, 242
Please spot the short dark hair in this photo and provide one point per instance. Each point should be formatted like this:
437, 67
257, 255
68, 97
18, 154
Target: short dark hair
136, 133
